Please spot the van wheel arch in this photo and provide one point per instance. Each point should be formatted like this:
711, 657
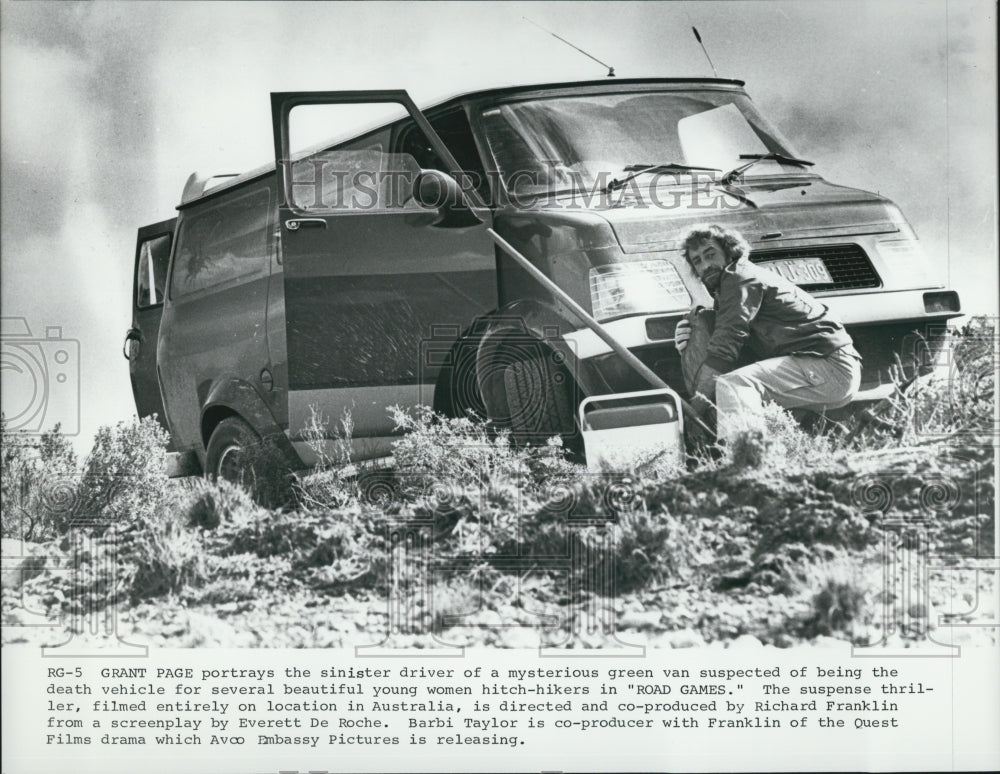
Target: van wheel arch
212, 417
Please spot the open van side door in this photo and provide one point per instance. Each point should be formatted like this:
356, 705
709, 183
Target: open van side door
377, 286
152, 256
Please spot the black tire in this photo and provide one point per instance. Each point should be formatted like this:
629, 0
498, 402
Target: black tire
457, 393
223, 455
530, 391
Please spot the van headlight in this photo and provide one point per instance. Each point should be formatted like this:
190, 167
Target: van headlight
904, 256
907, 261
641, 287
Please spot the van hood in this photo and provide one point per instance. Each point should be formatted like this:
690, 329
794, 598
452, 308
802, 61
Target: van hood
789, 208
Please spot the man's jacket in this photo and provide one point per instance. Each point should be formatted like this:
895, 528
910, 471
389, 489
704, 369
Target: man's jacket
758, 308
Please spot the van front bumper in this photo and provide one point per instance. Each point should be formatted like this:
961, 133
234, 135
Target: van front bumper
910, 325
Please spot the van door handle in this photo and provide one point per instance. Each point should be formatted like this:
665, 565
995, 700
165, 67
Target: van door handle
133, 333
294, 223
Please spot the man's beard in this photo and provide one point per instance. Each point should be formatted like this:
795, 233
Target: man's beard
711, 279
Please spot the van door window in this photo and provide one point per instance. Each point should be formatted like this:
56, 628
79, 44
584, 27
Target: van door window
454, 129
361, 175
154, 255
222, 242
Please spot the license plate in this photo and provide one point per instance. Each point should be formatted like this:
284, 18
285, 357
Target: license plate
802, 271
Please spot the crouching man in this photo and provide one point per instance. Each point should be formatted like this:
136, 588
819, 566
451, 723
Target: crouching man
803, 357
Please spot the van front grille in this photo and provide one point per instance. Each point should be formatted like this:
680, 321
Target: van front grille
849, 267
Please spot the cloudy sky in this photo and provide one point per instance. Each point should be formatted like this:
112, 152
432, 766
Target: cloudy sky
107, 107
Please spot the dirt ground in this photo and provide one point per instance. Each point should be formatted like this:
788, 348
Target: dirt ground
924, 569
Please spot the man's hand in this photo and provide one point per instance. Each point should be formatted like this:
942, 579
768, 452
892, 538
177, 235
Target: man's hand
682, 334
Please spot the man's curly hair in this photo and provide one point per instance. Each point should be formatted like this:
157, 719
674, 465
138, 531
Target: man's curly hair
732, 241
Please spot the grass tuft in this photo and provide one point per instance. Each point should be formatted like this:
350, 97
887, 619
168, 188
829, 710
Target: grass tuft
167, 558
839, 593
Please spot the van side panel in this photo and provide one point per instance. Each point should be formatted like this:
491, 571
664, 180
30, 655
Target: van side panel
370, 299
214, 323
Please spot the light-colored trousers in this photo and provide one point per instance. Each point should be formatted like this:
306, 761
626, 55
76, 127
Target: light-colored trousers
792, 381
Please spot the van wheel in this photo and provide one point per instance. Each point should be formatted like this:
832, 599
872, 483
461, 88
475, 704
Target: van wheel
457, 391
224, 458
533, 395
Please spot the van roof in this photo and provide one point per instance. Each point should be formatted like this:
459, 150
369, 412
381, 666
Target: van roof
195, 189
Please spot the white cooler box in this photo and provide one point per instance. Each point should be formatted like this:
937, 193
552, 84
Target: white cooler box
629, 429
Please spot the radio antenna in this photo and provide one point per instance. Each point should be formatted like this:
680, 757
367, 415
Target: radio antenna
611, 70
698, 38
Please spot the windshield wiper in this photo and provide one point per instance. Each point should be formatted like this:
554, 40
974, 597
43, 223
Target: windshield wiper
642, 169
733, 174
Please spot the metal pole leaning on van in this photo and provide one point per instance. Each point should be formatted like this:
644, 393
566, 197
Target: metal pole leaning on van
641, 368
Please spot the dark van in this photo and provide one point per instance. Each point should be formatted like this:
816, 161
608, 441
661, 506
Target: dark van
357, 273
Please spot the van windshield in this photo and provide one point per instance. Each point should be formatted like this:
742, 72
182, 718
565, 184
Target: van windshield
559, 144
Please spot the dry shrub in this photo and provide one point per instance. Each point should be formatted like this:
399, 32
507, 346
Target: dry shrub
780, 444
318, 435
131, 561
267, 474
209, 504
241, 577
455, 598
484, 494
329, 547
123, 479
167, 558
30, 471
750, 526
954, 397
274, 534
335, 480
657, 548
840, 593
448, 451
437, 448
327, 488
641, 545
124, 476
